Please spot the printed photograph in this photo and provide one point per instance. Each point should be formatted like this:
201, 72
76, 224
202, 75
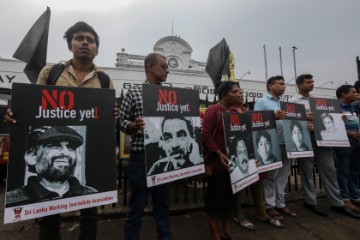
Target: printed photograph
172, 143
297, 136
242, 159
267, 150
55, 165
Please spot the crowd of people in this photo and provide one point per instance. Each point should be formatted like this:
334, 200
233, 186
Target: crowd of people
339, 168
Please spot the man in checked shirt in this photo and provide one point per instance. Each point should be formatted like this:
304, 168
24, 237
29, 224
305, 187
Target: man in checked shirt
132, 122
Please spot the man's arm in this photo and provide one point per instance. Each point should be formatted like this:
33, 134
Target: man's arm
129, 124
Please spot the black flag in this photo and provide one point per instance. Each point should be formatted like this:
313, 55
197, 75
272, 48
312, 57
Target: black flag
218, 63
33, 48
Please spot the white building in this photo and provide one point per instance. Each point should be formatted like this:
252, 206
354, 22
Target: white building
185, 72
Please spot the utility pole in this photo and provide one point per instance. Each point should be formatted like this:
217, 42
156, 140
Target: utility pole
281, 67
294, 48
266, 70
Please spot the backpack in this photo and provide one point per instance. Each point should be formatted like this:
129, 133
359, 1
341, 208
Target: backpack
57, 69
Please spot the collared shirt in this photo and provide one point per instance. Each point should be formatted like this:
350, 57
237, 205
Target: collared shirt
132, 108
268, 102
298, 98
68, 77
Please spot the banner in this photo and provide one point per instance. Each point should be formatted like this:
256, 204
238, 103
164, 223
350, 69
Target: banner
297, 137
265, 140
329, 127
173, 148
62, 151
240, 151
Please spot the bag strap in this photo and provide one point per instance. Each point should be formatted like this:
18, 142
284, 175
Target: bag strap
104, 79
55, 73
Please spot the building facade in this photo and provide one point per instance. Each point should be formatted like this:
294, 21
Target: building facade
185, 72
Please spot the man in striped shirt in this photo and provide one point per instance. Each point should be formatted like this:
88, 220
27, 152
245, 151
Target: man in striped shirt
132, 122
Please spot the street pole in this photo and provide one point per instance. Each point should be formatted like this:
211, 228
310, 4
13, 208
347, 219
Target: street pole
266, 71
281, 67
294, 48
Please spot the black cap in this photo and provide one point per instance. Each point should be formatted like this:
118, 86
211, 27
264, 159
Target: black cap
47, 134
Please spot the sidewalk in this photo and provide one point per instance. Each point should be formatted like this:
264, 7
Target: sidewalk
192, 225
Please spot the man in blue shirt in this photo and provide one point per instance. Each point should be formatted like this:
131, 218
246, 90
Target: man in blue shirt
275, 183
346, 161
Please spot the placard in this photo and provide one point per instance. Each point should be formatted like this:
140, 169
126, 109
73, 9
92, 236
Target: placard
297, 137
173, 147
62, 151
265, 140
240, 150
329, 128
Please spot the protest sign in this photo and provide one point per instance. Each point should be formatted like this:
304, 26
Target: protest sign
62, 151
297, 137
329, 127
173, 148
265, 140
240, 150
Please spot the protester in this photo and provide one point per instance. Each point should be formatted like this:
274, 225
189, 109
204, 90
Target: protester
274, 185
132, 122
323, 157
220, 201
80, 71
347, 158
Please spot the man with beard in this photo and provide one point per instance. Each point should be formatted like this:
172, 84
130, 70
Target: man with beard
51, 155
177, 146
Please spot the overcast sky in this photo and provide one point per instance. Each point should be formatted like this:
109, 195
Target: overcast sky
326, 32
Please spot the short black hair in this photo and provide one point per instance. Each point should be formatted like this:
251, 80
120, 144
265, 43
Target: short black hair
357, 86
80, 27
152, 58
262, 133
272, 80
343, 89
179, 117
300, 79
224, 87
294, 123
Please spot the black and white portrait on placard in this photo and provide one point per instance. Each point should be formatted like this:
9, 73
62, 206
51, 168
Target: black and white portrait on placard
242, 162
332, 127
267, 146
171, 143
55, 165
298, 136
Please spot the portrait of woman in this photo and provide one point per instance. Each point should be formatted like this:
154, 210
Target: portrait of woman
329, 132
